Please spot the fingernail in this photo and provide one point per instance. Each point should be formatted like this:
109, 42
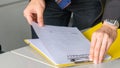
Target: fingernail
90, 59
41, 25
95, 62
100, 61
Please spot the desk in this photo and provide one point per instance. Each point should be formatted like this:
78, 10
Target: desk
29, 52
11, 60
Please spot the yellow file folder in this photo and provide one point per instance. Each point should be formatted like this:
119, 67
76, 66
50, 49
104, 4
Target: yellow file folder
114, 50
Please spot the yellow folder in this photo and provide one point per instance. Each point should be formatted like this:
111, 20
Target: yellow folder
114, 50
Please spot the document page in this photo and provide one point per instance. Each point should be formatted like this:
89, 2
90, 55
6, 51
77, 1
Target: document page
61, 43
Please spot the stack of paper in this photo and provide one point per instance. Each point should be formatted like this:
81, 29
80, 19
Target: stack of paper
61, 45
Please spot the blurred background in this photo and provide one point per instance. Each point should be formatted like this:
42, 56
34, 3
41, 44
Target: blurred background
13, 26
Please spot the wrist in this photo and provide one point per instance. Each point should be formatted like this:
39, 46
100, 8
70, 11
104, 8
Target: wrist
106, 24
111, 23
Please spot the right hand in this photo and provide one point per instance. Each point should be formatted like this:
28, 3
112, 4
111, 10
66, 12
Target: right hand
34, 12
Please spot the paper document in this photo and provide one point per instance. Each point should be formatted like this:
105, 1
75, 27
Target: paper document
61, 45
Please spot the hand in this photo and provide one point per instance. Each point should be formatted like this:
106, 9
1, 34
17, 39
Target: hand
101, 41
34, 12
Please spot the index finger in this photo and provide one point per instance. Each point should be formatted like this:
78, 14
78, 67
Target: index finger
29, 19
92, 46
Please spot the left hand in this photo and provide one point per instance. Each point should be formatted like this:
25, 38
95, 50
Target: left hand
101, 41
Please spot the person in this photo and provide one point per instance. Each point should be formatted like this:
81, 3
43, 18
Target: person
86, 13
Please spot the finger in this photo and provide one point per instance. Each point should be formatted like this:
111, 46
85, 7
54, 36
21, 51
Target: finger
28, 16
109, 43
103, 48
93, 42
40, 18
97, 49
29, 19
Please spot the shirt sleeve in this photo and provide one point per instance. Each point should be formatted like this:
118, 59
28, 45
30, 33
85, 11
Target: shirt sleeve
112, 10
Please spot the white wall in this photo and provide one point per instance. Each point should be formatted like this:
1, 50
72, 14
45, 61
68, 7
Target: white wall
13, 26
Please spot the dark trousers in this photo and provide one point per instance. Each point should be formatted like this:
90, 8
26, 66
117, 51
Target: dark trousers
85, 14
